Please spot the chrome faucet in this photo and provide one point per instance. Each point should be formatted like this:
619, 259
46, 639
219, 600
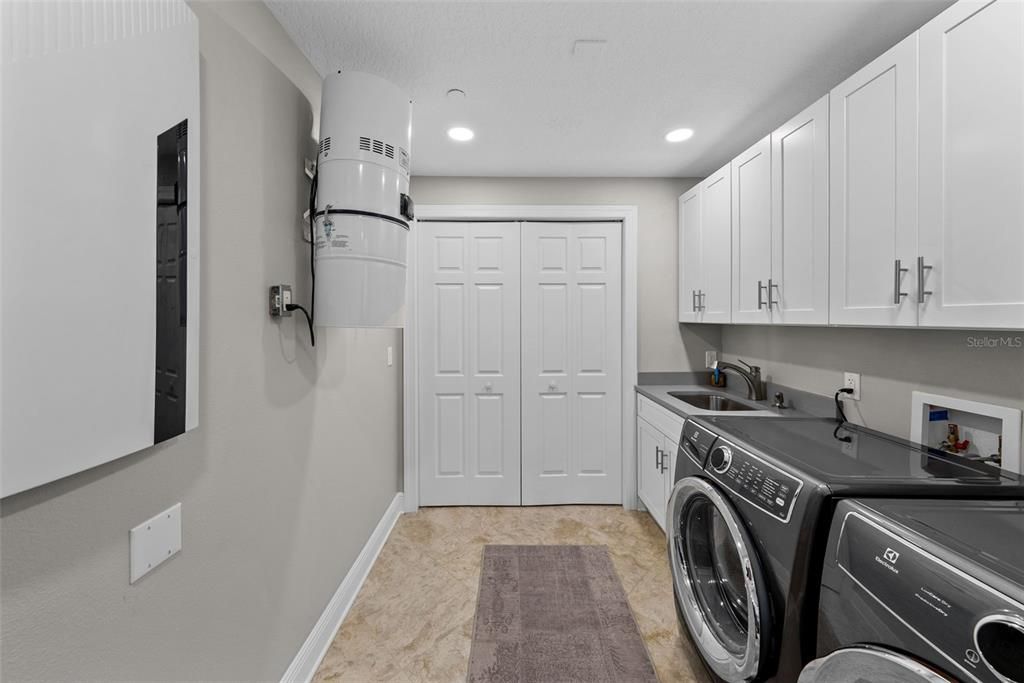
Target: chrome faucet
752, 376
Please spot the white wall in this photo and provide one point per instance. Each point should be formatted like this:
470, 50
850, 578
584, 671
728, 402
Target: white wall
664, 345
296, 457
893, 363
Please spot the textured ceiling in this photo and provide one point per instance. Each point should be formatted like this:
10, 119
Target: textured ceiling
730, 69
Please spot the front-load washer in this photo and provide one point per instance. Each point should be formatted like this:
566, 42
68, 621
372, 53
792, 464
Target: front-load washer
748, 521
933, 590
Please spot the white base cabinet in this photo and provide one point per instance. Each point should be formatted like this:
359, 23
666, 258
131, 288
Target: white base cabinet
657, 437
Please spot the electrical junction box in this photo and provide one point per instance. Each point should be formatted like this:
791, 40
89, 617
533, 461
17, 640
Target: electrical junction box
99, 246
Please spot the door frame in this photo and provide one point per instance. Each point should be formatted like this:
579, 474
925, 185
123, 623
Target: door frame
625, 214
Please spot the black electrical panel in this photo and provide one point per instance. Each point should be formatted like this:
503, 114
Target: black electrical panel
171, 281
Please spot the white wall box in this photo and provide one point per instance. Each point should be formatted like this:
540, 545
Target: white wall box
971, 240
798, 289
752, 289
873, 192
987, 426
99, 258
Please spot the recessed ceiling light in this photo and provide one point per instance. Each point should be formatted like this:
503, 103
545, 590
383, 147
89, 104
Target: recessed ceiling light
460, 134
679, 134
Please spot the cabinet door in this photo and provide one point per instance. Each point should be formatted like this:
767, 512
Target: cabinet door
650, 481
572, 363
670, 447
715, 301
690, 278
873, 192
972, 166
800, 218
751, 234
469, 363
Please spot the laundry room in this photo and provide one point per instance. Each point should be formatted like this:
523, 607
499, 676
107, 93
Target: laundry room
362, 341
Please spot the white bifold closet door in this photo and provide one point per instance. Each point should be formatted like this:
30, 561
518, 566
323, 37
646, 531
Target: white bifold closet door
469, 360
572, 363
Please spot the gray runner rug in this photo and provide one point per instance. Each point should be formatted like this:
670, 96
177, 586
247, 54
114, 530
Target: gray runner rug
553, 614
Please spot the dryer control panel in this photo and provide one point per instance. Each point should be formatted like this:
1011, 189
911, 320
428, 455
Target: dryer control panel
754, 479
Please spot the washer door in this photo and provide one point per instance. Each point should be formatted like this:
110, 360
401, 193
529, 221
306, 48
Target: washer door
719, 585
865, 663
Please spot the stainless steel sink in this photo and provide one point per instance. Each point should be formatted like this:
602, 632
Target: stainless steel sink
710, 401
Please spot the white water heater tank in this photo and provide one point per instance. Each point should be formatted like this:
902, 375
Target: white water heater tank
363, 210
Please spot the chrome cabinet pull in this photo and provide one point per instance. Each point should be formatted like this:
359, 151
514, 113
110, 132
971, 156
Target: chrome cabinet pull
760, 301
921, 291
897, 295
657, 457
700, 298
693, 300
664, 465
772, 286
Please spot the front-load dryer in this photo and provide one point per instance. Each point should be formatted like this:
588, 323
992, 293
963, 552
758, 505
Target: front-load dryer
747, 528
933, 590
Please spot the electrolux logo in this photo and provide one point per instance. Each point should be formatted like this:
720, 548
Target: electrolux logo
995, 342
888, 560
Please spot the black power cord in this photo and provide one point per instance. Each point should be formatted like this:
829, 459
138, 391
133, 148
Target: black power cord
841, 415
309, 320
312, 254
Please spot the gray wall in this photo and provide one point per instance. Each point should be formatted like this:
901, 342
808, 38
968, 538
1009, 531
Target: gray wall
295, 459
664, 345
893, 363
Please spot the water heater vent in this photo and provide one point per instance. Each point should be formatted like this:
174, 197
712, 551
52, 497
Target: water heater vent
364, 144
389, 151
325, 145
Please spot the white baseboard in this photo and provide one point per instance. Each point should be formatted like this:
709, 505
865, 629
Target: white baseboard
304, 666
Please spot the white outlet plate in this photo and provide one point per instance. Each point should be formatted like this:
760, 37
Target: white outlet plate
154, 541
710, 358
851, 380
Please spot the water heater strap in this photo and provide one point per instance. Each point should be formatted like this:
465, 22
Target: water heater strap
370, 214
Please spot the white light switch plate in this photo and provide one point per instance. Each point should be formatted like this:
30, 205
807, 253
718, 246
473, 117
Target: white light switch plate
155, 540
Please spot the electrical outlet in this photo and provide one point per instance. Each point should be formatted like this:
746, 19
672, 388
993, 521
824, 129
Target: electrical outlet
851, 380
280, 297
710, 358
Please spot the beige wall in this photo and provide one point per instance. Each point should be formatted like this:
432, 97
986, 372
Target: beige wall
296, 456
893, 363
664, 345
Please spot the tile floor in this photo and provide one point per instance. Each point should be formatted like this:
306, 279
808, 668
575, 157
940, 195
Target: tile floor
413, 619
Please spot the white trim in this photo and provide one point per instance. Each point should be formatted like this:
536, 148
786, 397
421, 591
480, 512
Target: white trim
1010, 417
306, 662
628, 215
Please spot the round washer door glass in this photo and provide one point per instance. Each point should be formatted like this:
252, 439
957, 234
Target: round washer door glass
720, 589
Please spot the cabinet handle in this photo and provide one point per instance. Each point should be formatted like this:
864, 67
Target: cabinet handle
921, 291
897, 295
760, 301
657, 457
772, 286
664, 465
700, 298
693, 300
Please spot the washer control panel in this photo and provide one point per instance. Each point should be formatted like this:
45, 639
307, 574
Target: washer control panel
753, 479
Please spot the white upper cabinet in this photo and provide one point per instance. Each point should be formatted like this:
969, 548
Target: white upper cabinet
873, 192
798, 287
715, 298
971, 238
752, 234
690, 280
